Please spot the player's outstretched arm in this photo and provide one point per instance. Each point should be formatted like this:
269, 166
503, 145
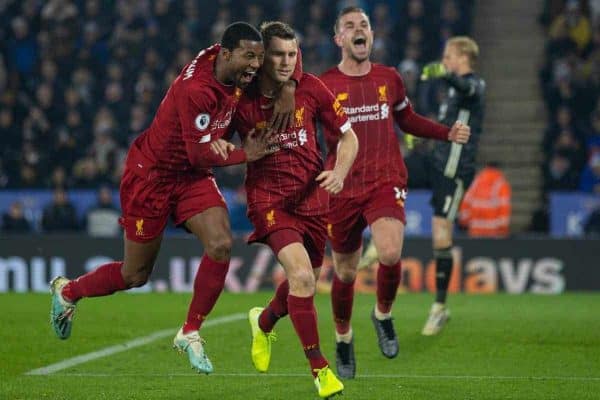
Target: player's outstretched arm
409, 121
333, 180
220, 153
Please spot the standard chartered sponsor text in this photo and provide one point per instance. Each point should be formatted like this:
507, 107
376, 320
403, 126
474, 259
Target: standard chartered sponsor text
364, 113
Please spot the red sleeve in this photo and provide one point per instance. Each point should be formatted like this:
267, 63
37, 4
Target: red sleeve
203, 157
330, 112
297, 74
195, 107
411, 122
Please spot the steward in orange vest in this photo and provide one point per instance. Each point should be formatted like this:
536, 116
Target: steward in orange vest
485, 210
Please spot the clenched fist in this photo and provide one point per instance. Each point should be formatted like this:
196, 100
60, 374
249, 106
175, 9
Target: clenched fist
459, 133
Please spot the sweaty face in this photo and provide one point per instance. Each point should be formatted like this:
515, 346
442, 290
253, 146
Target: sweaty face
244, 62
280, 59
355, 36
452, 59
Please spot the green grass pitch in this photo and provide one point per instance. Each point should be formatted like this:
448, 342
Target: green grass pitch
494, 347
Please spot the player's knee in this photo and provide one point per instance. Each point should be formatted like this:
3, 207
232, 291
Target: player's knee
442, 236
346, 273
302, 282
219, 247
389, 254
136, 278
441, 239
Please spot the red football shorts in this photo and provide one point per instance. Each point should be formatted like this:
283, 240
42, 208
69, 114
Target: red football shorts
147, 202
278, 228
348, 217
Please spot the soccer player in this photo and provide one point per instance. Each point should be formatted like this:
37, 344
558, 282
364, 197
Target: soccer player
374, 98
167, 173
288, 196
453, 163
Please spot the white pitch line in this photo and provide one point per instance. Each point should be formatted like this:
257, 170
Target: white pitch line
358, 376
137, 342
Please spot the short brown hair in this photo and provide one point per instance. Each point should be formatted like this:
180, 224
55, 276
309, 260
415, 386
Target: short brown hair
345, 11
466, 46
271, 29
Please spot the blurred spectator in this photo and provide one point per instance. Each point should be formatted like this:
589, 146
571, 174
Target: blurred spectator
28, 177
452, 19
87, 175
485, 210
22, 48
563, 121
3, 175
574, 23
410, 72
58, 12
102, 220
590, 177
92, 50
592, 224
14, 220
10, 135
559, 173
59, 216
59, 179
568, 144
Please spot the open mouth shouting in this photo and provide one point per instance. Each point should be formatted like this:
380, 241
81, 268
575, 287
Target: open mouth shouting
360, 43
247, 76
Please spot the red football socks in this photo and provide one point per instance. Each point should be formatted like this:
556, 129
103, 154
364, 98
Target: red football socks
304, 317
277, 308
388, 279
342, 297
102, 281
208, 285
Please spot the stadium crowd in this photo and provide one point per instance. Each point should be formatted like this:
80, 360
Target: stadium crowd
570, 82
80, 79
570, 79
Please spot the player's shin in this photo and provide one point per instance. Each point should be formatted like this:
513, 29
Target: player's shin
208, 285
388, 279
277, 308
443, 266
304, 318
102, 281
342, 298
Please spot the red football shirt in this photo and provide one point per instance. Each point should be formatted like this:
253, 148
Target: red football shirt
286, 178
370, 102
197, 108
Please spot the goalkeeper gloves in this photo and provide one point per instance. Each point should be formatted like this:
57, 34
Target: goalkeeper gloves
409, 141
433, 71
